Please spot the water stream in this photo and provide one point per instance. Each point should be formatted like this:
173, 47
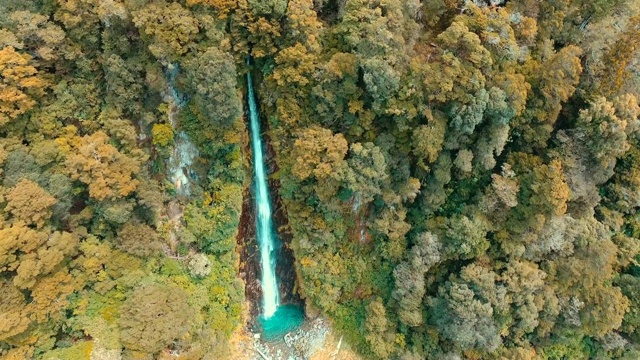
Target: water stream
264, 217
275, 319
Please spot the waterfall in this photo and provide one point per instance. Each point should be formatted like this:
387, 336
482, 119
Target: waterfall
276, 320
264, 218
184, 151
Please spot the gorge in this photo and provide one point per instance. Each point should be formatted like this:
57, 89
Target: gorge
275, 319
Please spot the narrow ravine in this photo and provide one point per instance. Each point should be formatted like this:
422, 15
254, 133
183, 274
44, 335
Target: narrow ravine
275, 319
264, 220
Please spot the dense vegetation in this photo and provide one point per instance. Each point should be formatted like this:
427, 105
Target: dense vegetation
461, 178
98, 250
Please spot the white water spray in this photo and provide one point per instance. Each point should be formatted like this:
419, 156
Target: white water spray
264, 219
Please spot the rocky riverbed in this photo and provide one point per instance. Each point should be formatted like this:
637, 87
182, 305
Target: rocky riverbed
312, 341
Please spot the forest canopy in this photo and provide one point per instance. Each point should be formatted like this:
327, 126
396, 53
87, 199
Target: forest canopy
459, 178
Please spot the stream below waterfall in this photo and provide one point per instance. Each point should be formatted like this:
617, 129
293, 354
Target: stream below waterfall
275, 319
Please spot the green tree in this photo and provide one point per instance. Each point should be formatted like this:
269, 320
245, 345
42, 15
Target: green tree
36, 32
555, 77
464, 317
602, 135
464, 237
586, 276
409, 277
605, 131
630, 287
271, 8
170, 29
380, 333
366, 172
532, 300
138, 239
212, 79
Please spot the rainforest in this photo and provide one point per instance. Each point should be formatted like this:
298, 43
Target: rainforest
319, 179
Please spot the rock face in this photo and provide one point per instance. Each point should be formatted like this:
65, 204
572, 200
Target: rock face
247, 248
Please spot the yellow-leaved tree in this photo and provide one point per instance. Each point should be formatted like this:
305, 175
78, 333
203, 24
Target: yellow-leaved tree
94, 161
19, 84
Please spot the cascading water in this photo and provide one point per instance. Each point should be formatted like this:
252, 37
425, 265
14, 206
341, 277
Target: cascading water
275, 320
264, 220
184, 151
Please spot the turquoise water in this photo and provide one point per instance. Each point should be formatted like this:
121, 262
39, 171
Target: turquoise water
275, 320
265, 230
286, 318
